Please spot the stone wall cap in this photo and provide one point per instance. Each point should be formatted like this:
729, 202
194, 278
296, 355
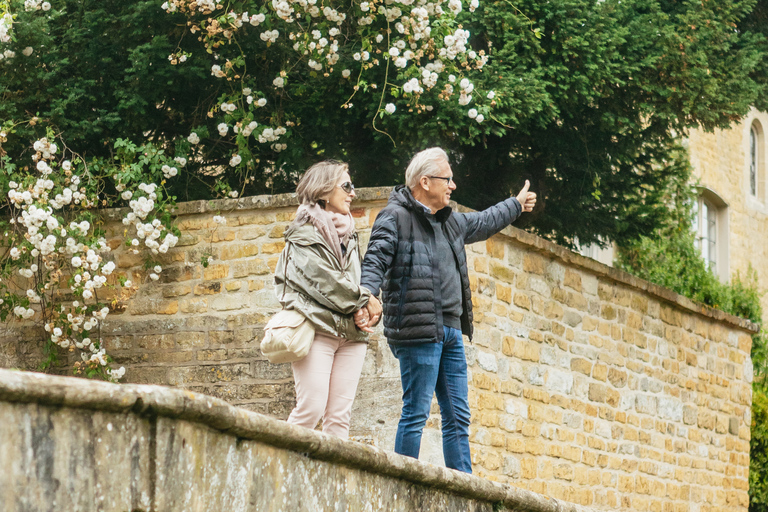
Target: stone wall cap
262, 202
153, 400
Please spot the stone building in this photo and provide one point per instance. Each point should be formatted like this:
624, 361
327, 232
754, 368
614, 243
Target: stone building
732, 222
729, 170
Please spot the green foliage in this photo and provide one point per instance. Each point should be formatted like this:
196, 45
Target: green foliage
99, 72
597, 103
673, 261
757, 23
589, 100
670, 258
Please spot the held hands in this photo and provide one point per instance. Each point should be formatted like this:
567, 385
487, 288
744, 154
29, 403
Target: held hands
368, 316
527, 199
374, 310
362, 318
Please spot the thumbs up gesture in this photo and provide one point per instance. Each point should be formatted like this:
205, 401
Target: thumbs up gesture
527, 199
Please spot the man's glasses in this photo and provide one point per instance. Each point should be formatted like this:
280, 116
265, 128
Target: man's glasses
347, 187
448, 180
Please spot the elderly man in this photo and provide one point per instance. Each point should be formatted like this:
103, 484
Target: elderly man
416, 256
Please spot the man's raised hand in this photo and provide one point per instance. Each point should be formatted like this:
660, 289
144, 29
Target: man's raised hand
527, 199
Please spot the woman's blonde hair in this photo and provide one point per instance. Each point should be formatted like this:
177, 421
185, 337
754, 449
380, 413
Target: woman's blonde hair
319, 181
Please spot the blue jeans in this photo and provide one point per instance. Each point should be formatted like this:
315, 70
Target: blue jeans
435, 368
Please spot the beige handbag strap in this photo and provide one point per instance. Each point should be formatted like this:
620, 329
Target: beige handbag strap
359, 251
285, 270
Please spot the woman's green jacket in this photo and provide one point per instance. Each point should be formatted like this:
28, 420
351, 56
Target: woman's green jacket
317, 286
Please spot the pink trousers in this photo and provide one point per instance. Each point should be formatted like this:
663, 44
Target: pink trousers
326, 383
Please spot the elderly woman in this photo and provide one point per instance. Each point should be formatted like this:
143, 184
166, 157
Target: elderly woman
318, 275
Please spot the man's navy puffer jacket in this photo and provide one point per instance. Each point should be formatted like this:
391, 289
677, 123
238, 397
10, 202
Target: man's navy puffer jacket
400, 261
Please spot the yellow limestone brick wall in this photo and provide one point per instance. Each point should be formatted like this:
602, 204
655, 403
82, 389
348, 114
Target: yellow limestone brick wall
720, 162
587, 388
586, 384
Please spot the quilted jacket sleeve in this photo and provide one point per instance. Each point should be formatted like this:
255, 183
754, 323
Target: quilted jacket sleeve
381, 251
311, 271
479, 226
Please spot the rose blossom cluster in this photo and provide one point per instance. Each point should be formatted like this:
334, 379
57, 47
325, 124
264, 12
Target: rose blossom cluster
6, 26
49, 250
421, 38
6, 22
155, 235
56, 242
35, 5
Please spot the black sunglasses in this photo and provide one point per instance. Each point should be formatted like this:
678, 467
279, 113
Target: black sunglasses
347, 187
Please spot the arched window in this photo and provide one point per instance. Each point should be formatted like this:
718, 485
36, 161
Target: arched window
756, 161
711, 226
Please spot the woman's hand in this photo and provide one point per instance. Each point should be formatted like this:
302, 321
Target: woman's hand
361, 319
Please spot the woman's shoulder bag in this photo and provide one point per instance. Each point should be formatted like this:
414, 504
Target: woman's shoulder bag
288, 335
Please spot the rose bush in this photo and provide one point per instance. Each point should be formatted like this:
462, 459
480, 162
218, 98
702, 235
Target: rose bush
57, 271
408, 56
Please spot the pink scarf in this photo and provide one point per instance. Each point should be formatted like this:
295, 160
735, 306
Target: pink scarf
335, 228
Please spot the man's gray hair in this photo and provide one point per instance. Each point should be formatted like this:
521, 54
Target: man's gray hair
424, 163
320, 180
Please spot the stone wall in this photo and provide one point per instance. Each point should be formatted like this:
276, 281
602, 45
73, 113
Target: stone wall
586, 384
69, 444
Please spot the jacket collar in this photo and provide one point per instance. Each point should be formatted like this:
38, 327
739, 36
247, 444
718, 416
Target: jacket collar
402, 196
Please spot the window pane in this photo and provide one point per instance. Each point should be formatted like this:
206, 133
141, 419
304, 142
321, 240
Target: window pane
711, 225
753, 162
709, 234
696, 208
590, 251
706, 232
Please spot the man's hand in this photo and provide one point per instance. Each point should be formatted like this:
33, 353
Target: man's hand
362, 319
527, 199
374, 310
